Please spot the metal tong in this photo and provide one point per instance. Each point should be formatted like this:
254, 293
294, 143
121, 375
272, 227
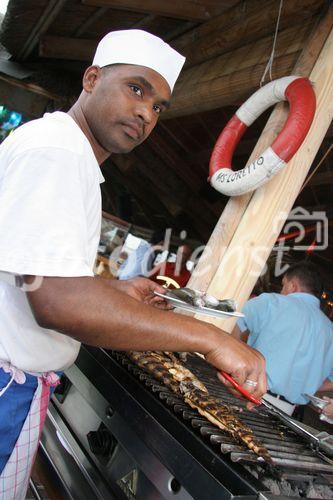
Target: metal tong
320, 441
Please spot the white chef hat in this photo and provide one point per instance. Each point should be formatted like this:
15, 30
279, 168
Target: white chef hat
141, 48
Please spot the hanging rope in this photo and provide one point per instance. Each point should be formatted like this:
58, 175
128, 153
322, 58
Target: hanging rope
269, 65
329, 149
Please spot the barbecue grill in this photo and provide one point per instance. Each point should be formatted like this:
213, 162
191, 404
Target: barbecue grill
124, 435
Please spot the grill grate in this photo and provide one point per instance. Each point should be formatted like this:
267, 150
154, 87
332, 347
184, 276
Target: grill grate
292, 456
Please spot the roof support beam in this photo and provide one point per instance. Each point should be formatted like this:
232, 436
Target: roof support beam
49, 15
30, 87
90, 21
20, 98
184, 9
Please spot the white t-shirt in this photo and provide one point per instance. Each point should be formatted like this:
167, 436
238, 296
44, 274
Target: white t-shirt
50, 215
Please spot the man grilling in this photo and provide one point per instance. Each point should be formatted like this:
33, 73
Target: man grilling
50, 211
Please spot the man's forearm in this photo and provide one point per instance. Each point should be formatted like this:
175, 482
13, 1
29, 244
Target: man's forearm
94, 312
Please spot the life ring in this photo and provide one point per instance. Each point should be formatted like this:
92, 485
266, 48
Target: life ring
302, 104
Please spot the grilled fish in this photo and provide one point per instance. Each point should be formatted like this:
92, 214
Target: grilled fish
220, 415
166, 368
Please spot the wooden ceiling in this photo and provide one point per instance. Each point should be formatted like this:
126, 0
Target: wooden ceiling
227, 44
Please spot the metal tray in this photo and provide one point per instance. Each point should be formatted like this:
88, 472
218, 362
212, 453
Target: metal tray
206, 311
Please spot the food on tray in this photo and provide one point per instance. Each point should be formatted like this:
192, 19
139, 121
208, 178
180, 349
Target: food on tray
196, 298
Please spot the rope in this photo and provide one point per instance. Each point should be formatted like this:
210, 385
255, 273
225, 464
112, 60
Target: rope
269, 65
329, 149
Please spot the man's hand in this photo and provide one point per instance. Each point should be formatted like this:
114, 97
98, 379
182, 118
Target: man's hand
242, 363
142, 289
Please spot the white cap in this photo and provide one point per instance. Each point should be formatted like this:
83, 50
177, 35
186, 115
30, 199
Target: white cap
141, 48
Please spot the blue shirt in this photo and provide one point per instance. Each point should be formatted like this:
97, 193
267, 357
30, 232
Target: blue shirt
295, 337
138, 263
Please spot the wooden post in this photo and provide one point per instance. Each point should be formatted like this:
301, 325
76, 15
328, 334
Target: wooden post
269, 206
206, 275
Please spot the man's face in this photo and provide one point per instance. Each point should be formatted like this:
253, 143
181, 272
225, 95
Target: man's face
123, 103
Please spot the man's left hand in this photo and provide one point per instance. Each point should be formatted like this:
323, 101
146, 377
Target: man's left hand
142, 289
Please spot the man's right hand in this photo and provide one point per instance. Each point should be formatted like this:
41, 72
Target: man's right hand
242, 363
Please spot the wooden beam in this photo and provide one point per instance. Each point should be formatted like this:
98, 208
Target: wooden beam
290, 40
257, 23
179, 30
233, 16
20, 98
144, 22
233, 76
57, 47
31, 87
261, 222
90, 21
46, 19
216, 6
186, 9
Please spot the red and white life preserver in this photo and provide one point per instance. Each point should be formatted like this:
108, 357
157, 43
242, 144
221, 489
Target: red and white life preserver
302, 102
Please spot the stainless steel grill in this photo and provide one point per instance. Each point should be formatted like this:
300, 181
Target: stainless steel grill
292, 456
131, 438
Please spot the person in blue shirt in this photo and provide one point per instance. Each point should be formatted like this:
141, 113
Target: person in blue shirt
136, 263
141, 260
293, 334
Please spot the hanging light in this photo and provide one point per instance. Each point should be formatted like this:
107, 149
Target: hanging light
13, 121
